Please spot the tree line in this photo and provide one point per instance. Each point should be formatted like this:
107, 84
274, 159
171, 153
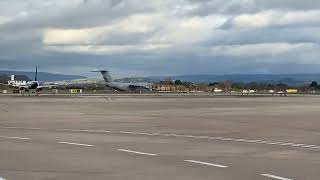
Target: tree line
4, 78
237, 86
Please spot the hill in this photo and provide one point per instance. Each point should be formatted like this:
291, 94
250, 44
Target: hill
290, 79
44, 76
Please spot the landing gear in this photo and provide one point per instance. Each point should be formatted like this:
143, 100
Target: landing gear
38, 92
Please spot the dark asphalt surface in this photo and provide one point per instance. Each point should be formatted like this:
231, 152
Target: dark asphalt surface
163, 138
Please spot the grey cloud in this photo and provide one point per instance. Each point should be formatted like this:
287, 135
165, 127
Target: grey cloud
178, 25
78, 16
264, 35
206, 7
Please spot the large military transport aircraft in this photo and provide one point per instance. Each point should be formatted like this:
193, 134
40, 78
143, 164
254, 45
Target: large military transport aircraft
129, 87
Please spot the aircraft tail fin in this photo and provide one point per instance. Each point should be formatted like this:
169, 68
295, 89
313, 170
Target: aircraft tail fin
36, 75
106, 76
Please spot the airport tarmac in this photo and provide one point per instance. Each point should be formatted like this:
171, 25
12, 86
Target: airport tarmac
151, 137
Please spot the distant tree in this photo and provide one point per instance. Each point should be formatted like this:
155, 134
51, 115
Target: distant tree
4, 78
168, 81
269, 87
252, 85
187, 84
178, 82
165, 82
214, 84
202, 86
237, 86
314, 85
282, 86
303, 88
226, 85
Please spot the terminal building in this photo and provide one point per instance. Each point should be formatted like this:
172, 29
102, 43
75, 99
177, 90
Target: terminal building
19, 80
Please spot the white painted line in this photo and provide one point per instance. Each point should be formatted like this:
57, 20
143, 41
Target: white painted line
215, 138
127, 132
229, 139
148, 134
156, 134
275, 177
286, 144
189, 136
138, 133
202, 137
206, 163
309, 146
2, 178
264, 142
23, 128
314, 147
77, 144
36, 128
137, 152
224, 139
84, 130
179, 135
240, 140
297, 145
276, 143
22, 138
9, 127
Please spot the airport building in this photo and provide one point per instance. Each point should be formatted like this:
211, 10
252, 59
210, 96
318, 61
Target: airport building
20, 80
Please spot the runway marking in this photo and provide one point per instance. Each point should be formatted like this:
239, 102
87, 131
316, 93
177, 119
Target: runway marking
139, 133
309, 146
1, 178
137, 152
189, 136
275, 177
256, 141
8, 137
264, 142
297, 145
24, 128
206, 163
316, 147
275, 143
77, 144
286, 144
84, 130
127, 132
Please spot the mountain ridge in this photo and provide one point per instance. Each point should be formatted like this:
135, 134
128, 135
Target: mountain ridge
290, 79
43, 76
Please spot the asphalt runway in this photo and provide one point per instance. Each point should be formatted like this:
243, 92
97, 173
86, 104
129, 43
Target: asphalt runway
149, 137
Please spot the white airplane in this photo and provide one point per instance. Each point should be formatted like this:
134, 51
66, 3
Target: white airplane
30, 85
121, 86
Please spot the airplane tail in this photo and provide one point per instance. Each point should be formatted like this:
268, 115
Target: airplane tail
36, 75
106, 76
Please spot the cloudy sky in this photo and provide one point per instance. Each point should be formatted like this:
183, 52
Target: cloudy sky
161, 37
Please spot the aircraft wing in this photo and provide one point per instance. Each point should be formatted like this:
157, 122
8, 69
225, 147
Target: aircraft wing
49, 86
12, 85
5, 84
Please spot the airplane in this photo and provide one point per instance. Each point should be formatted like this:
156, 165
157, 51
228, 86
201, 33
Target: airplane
124, 87
30, 85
